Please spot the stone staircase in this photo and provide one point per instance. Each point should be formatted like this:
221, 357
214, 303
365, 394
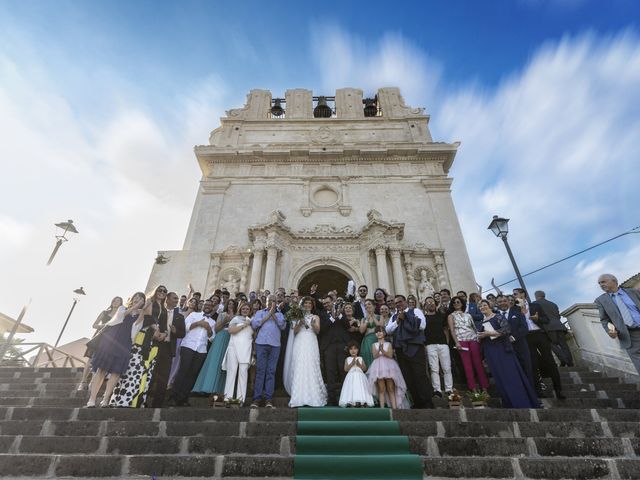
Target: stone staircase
45, 433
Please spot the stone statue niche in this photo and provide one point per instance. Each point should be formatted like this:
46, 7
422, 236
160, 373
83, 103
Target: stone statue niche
231, 281
426, 284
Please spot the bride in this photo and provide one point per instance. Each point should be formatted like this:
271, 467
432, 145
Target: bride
302, 374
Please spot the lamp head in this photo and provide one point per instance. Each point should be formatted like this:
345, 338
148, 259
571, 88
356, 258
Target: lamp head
499, 226
67, 226
79, 291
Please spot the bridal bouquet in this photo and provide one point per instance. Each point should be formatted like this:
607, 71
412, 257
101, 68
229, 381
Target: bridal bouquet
293, 314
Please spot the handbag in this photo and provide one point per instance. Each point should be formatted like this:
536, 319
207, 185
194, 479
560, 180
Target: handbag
93, 344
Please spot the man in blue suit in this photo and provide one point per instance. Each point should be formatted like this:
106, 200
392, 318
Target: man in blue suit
519, 331
620, 315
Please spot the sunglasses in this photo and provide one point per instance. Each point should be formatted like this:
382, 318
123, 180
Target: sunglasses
161, 290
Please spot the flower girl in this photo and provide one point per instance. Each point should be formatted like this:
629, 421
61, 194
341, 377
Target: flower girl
355, 389
384, 373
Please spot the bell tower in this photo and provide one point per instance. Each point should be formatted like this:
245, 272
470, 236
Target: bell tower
303, 183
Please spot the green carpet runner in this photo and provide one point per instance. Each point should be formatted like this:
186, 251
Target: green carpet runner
352, 444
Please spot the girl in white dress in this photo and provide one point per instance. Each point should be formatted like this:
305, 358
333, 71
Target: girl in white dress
355, 389
302, 367
236, 360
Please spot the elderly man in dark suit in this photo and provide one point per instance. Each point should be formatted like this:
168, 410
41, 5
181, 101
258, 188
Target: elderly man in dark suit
408, 342
554, 328
620, 315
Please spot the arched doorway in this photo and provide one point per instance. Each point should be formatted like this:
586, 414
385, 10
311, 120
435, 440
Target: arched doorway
326, 278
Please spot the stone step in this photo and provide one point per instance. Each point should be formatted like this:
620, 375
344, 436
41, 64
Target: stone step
269, 466
275, 445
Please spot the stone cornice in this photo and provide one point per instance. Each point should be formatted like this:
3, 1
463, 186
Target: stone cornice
443, 154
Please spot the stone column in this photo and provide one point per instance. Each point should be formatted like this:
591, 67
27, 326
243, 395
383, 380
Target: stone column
398, 277
408, 265
215, 272
381, 265
270, 271
256, 269
442, 278
243, 274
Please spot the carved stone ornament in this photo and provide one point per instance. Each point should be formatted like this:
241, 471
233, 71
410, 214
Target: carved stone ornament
323, 135
327, 229
426, 285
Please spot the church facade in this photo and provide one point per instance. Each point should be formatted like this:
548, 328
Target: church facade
305, 189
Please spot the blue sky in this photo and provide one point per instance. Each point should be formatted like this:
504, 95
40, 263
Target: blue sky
102, 102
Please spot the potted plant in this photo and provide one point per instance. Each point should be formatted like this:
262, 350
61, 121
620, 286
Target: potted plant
478, 398
233, 403
455, 401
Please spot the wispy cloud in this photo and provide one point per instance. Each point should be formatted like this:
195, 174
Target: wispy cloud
553, 147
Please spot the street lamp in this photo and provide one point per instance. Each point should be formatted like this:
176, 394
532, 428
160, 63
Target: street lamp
78, 292
500, 227
62, 229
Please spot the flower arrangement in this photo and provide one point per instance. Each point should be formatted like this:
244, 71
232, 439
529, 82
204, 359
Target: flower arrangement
294, 313
454, 396
477, 396
233, 403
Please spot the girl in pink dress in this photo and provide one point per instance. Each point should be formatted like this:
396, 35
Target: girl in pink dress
385, 377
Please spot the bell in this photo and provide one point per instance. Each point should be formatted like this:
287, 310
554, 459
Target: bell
277, 110
370, 107
322, 110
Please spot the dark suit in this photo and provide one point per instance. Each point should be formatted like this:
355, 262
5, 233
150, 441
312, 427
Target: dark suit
609, 312
542, 360
358, 310
519, 330
556, 330
166, 352
334, 336
408, 342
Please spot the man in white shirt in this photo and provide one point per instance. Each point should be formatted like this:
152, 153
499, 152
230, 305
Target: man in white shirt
199, 327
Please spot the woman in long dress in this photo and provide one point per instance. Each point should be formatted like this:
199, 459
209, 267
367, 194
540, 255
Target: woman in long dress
367, 327
212, 377
302, 373
111, 356
133, 385
512, 382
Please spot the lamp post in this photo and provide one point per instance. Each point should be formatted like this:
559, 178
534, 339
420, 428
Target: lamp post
77, 291
62, 229
500, 227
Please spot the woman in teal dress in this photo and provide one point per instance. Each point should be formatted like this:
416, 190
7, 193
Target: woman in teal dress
367, 327
212, 378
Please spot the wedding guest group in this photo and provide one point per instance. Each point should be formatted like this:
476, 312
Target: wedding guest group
326, 349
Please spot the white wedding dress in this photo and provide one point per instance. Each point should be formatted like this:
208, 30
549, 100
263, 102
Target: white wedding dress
302, 374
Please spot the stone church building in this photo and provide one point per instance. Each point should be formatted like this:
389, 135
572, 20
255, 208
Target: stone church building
304, 189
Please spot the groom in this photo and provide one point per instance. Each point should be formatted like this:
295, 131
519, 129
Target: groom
334, 336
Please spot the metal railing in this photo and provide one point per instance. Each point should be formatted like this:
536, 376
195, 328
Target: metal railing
45, 356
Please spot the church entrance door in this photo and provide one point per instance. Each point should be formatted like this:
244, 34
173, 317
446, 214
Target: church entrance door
327, 279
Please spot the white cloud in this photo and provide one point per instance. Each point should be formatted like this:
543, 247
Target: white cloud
127, 177
345, 60
553, 147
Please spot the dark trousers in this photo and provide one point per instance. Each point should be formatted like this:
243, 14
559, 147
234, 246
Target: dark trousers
539, 344
414, 371
334, 356
190, 364
559, 338
521, 347
266, 363
158, 387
